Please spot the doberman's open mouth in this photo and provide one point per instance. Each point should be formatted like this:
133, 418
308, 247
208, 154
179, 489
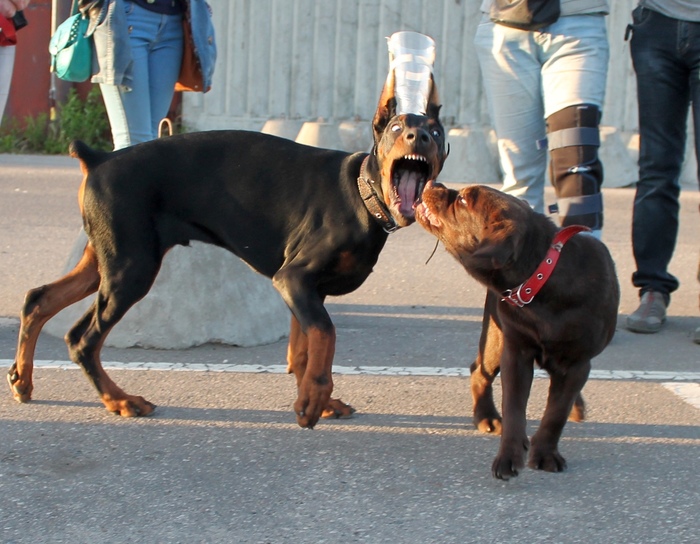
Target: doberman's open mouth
409, 176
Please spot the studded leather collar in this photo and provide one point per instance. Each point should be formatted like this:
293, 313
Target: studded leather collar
373, 203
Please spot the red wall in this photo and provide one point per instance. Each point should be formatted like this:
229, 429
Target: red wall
29, 90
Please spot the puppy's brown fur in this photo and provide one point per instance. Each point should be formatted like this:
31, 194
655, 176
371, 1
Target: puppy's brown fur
500, 241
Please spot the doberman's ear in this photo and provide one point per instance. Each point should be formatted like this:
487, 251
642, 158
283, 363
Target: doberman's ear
433, 112
386, 109
433, 100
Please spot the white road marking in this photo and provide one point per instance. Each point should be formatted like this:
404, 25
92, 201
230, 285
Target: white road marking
648, 375
689, 392
684, 384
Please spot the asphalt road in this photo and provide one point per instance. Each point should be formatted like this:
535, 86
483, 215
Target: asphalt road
222, 459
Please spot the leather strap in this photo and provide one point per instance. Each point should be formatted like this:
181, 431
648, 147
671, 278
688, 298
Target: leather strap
578, 205
526, 291
567, 137
373, 203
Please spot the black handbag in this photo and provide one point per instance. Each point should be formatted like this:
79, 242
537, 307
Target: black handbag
525, 14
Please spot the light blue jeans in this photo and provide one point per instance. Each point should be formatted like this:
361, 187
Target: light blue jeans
528, 76
156, 45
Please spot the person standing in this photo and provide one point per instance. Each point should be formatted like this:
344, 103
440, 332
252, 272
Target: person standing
665, 49
8, 39
139, 51
545, 86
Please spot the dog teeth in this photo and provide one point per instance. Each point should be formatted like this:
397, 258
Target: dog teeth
420, 158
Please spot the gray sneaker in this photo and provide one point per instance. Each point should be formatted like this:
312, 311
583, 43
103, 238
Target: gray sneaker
651, 314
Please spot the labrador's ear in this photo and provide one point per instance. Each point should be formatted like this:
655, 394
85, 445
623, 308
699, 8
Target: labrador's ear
498, 255
501, 251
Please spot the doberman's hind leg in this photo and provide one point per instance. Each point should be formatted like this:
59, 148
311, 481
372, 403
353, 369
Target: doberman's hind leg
297, 359
40, 305
117, 293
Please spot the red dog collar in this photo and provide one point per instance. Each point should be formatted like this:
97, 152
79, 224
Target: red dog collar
526, 291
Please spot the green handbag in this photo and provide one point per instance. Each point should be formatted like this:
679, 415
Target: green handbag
70, 49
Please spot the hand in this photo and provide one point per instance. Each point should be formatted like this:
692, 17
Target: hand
8, 8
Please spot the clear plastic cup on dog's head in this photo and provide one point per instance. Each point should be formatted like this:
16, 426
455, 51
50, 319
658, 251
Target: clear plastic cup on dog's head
411, 57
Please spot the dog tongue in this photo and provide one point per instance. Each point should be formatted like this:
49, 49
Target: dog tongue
407, 191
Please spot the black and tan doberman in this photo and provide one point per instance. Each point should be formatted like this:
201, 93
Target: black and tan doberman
552, 299
313, 220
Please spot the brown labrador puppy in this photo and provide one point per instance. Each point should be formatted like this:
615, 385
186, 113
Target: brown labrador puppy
552, 298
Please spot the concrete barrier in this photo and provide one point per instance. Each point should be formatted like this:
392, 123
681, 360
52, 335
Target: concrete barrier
320, 134
285, 128
202, 294
472, 158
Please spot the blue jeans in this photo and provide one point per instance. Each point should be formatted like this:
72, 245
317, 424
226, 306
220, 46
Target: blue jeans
528, 76
156, 46
666, 57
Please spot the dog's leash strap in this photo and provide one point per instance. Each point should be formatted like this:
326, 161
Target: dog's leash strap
372, 202
526, 291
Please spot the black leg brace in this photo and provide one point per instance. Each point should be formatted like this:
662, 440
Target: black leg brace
574, 169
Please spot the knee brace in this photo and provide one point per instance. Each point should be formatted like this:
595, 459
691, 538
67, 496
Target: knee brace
574, 168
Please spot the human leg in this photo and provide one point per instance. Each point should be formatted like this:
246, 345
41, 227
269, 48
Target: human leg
156, 45
573, 78
164, 64
694, 60
575, 169
7, 63
512, 80
696, 335
663, 96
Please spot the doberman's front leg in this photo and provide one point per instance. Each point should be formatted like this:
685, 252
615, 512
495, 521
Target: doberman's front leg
564, 392
299, 290
297, 358
40, 305
317, 383
517, 368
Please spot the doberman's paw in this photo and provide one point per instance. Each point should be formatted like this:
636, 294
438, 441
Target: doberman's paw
131, 406
337, 409
305, 419
549, 461
21, 389
307, 413
312, 400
